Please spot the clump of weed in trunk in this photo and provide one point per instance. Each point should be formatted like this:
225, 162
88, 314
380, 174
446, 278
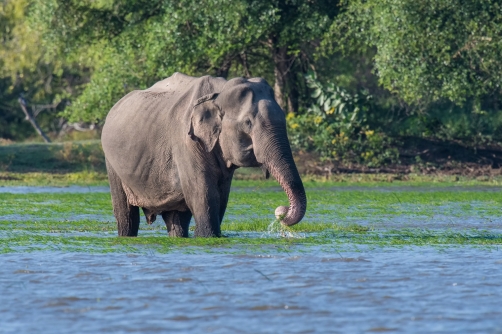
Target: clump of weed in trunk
277, 229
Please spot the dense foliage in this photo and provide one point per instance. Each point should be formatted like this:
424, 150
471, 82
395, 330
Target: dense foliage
352, 75
134, 43
430, 49
29, 71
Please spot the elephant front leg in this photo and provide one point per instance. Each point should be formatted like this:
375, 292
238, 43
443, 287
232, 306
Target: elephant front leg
202, 196
207, 219
224, 194
177, 223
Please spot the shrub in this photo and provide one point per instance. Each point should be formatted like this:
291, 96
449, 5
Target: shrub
335, 127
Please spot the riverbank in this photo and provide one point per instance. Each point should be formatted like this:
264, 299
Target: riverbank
82, 163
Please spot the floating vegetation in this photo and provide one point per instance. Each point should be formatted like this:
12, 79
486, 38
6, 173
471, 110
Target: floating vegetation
386, 217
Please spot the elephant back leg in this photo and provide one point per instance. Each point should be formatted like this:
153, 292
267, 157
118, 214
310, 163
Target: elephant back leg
177, 222
127, 215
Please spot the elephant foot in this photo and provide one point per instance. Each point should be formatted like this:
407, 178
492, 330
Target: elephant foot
128, 223
177, 223
206, 232
177, 231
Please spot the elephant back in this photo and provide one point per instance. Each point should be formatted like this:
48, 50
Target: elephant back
143, 128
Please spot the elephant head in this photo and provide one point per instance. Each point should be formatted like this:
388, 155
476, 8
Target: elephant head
250, 128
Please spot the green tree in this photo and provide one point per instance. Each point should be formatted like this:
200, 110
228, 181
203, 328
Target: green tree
428, 50
132, 44
27, 69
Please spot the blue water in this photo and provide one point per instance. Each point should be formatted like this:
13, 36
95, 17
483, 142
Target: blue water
413, 290
325, 289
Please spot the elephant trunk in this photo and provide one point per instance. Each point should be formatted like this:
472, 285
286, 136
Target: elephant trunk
279, 161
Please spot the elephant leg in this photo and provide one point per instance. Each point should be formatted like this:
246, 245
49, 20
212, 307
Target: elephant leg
177, 222
224, 194
207, 219
202, 196
127, 215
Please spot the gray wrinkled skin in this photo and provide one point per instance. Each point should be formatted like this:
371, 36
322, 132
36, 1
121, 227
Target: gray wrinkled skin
172, 150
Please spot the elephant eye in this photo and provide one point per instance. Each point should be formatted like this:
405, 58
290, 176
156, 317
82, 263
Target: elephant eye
246, 126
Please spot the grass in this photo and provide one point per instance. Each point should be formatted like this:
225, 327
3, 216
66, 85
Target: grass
247, 177
325, 206
335, 218
56, 164
343, 210
82, 163
53, 158
329, 239
83, 178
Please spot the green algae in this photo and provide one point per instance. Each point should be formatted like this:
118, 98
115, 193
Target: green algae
15, 242
335, 218
246, 205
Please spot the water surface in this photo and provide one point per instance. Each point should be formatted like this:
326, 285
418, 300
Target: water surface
340, 286
412, 290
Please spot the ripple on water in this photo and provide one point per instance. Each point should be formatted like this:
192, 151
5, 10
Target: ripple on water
413, 289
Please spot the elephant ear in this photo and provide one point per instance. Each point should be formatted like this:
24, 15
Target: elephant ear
205, 123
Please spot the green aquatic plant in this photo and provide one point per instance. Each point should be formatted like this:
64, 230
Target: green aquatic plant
94, 243
337, 217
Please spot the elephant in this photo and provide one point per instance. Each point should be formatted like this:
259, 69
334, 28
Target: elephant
172, 150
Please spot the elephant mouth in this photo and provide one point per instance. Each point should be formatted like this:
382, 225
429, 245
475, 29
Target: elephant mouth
251, 159
248, 162
266, 172
247, 158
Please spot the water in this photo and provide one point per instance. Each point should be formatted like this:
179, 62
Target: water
45, 189
337, 288
413, 290
94, 189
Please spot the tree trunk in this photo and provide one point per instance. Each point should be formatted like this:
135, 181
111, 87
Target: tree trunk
280, 70
32, 120
285, 87
244, 62
225, 67
293, 89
